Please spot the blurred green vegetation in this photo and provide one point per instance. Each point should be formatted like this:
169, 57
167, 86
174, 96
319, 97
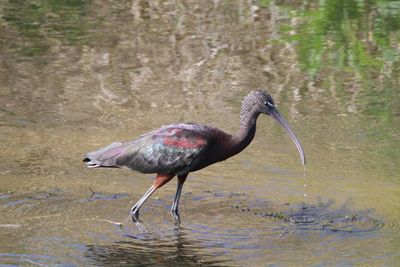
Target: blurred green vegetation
346, 33
350, 49
36, 22
354, 40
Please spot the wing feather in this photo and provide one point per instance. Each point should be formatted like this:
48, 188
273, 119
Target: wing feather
171, 149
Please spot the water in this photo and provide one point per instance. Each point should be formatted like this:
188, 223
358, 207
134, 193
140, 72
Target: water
78, 75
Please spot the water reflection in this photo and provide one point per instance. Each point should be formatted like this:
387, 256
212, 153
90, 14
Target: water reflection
352, 44
39, 24
174, 250
209, 241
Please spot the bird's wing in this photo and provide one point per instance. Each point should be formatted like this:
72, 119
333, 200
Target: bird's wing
171, 149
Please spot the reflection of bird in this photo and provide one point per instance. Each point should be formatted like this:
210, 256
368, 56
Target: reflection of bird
177, 149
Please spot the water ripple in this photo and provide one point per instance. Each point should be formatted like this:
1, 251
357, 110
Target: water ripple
322, 217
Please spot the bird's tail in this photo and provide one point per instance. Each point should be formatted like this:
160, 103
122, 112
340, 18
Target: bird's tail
104, 157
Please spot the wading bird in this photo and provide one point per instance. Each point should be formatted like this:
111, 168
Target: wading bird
177, 149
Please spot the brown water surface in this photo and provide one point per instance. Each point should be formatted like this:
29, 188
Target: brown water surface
78, 75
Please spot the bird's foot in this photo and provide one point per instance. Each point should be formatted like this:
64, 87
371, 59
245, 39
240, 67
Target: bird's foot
135, 215
135, 219
176, 217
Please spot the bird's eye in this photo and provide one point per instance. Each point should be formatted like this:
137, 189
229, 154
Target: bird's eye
269, 104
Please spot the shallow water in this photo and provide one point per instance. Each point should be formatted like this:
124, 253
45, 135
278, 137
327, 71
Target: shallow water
78, 75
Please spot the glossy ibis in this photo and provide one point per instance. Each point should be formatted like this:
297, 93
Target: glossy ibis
177, 149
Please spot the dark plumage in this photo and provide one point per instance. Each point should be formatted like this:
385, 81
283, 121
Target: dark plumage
173, 149
177, 149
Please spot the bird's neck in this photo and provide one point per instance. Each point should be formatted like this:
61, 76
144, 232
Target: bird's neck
246, 131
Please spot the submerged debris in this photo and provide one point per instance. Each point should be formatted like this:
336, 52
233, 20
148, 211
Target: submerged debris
275, 215
10, 225
112, 222
105, 196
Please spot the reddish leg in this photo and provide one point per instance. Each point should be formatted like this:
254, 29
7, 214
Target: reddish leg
161, 180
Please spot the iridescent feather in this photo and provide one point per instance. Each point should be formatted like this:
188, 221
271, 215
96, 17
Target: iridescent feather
172, 149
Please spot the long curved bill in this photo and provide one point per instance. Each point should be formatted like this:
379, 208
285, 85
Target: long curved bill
279, 118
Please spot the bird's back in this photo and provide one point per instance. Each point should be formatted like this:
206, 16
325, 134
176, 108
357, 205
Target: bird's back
174, 149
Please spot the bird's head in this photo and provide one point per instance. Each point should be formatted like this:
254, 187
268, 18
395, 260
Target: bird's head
261, 101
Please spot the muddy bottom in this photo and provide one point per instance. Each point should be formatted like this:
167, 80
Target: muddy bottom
216, 228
